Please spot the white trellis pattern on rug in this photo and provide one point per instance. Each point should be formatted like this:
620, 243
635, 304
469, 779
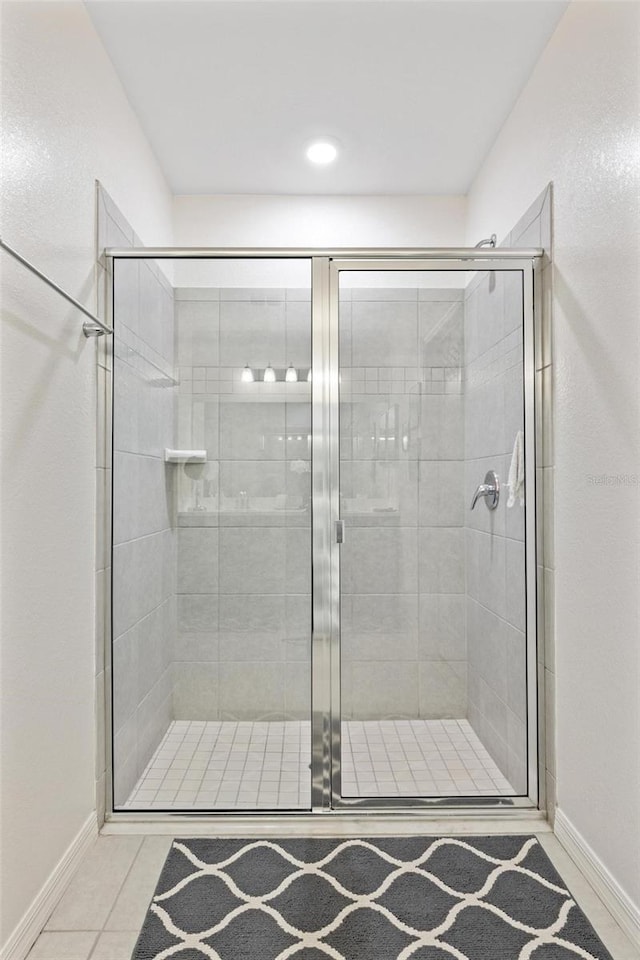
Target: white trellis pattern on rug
397, 895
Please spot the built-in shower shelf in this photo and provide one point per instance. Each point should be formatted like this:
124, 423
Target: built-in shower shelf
185, 456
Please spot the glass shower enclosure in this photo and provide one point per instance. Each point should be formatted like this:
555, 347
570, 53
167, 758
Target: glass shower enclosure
324, 532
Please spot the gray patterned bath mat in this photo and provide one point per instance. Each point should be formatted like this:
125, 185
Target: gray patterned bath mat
426, 898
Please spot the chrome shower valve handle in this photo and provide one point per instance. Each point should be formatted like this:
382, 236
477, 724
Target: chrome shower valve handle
490, 490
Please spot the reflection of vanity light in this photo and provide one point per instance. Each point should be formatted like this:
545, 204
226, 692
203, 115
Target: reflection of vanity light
269, 374
405, 443
291, 376
309, 376
247, 374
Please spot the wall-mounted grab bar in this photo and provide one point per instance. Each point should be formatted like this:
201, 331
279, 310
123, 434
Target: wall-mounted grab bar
96, 328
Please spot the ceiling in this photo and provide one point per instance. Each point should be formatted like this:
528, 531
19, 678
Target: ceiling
230, 92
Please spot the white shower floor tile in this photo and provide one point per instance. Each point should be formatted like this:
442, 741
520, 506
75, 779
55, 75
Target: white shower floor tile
207, 765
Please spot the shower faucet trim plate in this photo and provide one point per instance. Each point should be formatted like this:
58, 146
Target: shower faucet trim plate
490, 490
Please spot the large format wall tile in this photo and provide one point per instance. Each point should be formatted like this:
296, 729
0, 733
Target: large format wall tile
195, 690
141, 569
494, 541
252, 560
379, 560
252, 690
197, 559
442, 427
373, 427
443, 689
442, 627
198, 333
255, 492
298, 333
381, 689
441, 493
402, 444
402, 403
383, 333
143, 491
253, 333
441, 559
383, 627
441, 334
297, 690
144, 614
257, 478
252, 431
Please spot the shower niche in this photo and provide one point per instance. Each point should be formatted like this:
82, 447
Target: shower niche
307, 613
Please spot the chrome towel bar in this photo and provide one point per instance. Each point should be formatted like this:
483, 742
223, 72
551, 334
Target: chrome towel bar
96, 328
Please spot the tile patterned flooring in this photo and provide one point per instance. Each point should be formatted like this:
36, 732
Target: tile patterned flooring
260, 765
100, 915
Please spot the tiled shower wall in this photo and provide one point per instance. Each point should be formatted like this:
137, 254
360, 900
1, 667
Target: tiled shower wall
144, 567
402, 566
494, 540
242, 648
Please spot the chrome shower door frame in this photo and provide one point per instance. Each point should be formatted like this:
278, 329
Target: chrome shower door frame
325, 405
327, 587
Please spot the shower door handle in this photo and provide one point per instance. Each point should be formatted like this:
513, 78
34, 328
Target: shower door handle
339, 531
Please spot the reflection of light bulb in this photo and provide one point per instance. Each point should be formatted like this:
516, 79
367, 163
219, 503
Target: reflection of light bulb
269, 374
309, 376
291, 376
247, 374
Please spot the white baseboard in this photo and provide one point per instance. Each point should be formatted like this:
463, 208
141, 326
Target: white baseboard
619, 904
25, 934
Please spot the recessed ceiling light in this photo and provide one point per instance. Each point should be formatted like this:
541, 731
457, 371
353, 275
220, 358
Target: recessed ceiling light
322, 152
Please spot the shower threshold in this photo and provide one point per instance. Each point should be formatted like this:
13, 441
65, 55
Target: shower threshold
265, 765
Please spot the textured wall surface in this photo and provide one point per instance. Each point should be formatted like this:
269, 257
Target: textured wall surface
576, 124
65, 120
320, 221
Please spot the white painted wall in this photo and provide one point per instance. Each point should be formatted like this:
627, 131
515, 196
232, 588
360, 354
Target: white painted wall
311, 222
319, 221
66, 122
576, 123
